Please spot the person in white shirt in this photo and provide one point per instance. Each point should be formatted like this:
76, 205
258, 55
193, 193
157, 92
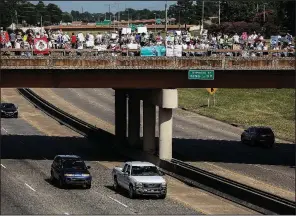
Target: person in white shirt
91, 40
236, 38
265, 48
66, 38
255, 35
99, 37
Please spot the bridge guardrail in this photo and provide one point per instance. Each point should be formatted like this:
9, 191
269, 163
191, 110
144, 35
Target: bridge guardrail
260, 201
127, 51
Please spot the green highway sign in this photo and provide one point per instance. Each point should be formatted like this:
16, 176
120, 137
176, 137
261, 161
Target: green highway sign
201, 75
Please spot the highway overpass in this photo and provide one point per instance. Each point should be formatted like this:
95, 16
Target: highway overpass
154, 80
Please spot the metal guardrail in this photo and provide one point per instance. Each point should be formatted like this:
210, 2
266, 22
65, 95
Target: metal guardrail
243, 192
260, 201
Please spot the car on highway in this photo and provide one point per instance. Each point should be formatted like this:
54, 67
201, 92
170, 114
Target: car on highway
9, 110
258, 136
140, 179
70, 170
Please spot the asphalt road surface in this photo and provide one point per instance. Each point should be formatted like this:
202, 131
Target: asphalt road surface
206, 143
26, 157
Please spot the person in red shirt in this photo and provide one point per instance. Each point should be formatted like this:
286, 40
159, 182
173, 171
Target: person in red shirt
74, 41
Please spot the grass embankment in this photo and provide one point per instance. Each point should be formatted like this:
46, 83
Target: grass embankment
246, 107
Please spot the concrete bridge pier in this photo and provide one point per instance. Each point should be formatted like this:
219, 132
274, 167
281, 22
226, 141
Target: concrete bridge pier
168, 100
120, 116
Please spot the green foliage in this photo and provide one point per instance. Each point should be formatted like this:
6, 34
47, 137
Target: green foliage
246, 107
279, 14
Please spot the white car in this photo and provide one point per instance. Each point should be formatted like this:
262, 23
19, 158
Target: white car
140, 178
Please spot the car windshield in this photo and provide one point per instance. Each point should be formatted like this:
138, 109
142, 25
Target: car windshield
7, 105
264, 130
73, 164
145, 171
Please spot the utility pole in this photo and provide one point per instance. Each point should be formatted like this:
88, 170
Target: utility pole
110, 14
155, 23
16, 19
202, 14
264, 12
219, 12
128, 16
166, 16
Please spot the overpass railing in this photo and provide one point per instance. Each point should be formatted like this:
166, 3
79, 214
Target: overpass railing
94, 52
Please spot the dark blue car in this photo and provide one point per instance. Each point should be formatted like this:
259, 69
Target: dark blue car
70, 170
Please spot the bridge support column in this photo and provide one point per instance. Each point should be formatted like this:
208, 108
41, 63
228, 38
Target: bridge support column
120, 116
149, 119
168, 100
165, 133
133, 120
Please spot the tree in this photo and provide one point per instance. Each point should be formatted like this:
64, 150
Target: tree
54, 13
66, 17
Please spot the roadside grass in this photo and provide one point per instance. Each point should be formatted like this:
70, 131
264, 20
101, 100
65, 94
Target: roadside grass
246, 107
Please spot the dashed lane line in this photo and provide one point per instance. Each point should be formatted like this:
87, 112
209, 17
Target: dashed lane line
30, 187
3, 166
115, 200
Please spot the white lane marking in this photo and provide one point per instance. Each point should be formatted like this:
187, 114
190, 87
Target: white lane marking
30, 187
4, 130
66, 213
3, 166
118, 202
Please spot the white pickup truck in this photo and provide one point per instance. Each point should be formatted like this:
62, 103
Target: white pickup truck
140, 178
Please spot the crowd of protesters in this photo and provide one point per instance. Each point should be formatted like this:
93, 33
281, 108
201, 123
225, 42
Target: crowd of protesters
249, 44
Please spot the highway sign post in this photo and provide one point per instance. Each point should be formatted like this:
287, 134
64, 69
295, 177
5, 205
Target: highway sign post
211, 92
201, 75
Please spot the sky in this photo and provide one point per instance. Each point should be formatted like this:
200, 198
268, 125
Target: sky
102, 6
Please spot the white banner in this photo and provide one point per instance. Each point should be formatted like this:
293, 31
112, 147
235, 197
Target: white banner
142, 29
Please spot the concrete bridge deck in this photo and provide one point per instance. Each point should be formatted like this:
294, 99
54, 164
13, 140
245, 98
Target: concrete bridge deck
145, 72
144, 63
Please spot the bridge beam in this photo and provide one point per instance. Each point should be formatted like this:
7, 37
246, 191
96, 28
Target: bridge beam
120, 116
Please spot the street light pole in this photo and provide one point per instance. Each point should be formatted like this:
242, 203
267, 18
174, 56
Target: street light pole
166, 16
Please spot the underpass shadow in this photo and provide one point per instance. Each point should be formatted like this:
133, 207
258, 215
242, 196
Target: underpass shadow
124, 193
226, 151
38, 147
101, 149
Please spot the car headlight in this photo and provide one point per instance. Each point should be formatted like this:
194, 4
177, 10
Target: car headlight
85, 175
69, 175
139, 184
163, 184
